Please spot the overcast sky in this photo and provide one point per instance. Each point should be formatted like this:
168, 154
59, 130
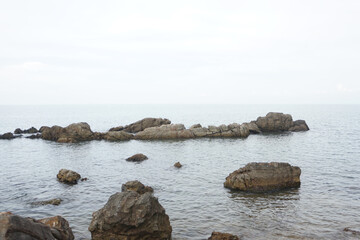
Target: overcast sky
64, 52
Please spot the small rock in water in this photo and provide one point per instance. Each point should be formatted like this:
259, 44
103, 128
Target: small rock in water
136, 186
7, 136
178, 165
84, 179
137, 158
352, 230
223, 236
68, 176
55, 201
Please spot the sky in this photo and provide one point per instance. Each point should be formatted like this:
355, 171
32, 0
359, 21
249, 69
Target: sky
180, 52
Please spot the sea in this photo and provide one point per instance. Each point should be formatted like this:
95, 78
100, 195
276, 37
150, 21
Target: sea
193, 196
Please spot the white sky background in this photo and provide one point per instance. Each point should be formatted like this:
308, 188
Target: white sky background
64, 52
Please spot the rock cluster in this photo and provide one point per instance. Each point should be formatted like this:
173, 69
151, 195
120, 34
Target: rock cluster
14, 227
260, 177
76, 132
68, 176
30, 130
279, 122
7, 136
130, 215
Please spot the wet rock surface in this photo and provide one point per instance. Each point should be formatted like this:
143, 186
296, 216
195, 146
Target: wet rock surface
14, 227
262, 177
68, 176
223, 236
139, 157
136, 186
130, 215
55, 201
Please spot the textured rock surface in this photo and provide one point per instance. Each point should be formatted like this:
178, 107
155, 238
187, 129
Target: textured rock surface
136, 186
129, 215
55, 201
68, 176
13, 227
137, 158
118, 136
76, 132
223, 236
258, 177
274, 122
146, 123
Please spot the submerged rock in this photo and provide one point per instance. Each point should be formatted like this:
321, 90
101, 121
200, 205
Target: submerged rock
137, 158
68, 176
14, 227
145, 123
130, 215
55, 201
259, 177
223, 236
178, 165
136, 186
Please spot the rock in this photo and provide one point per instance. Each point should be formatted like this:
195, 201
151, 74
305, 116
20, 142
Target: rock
223, 236
298, 126
178, 165
120, 128
274, 122
84, 179
14, 227
76, 132
30, 130
118, 136
253, 128
34, 136
42, 128
170, 131
53, 133
7, 136
137, 187
98, 136
354, 231
68, 176
196, 126
55, 201
260, 177
137, 158
130, 215
18, 131
146, 123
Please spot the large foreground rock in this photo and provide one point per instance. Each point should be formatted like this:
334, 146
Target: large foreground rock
14, 227
223, 236
259, 177
68, 176
130, 215
146, 123
76, 132
279, 122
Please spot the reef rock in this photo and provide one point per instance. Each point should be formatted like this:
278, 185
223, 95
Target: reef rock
68, 176
145, 123
130, 215
223, 236
14, 227
136, 186
260, 177
137, 158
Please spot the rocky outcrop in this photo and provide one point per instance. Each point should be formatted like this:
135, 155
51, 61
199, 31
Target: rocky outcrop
30, 130
139, 157
76, 132
223, 236
14, 227
146, 123
68, 176
130, 215
55, 201
253, 128
118, 136
178, 165
279, 122
136, 186
260, 177
7, 136
119, 128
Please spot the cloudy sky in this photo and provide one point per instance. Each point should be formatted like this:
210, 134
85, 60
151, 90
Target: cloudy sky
85, 52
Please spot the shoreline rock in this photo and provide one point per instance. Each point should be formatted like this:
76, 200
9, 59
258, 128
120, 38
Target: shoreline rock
263, 177
68, 176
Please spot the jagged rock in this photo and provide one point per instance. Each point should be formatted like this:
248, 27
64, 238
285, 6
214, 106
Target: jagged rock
137, 158
130, 215
68, 176
75, 132
55, 201
7, 136
120, 128
145, 123
196, 126
34, 136
14, 227
223, 236
259, 177
118, 136
298, 126
178, 165
136, 186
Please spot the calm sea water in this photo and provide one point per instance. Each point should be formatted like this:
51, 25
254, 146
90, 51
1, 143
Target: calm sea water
193, 196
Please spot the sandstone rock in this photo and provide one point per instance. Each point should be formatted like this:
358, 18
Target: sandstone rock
274, 122
118, 136
259, 177
7, 136
13, 227
137, 158
196, 126
130, 215
146, 123
223, 236
178, 165
298, 126
136, 186
68, 176
120, 128
55, 201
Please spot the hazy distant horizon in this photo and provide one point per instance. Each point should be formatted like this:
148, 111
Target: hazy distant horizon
188, 52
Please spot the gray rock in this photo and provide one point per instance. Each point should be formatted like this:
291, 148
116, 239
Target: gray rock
76, 132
